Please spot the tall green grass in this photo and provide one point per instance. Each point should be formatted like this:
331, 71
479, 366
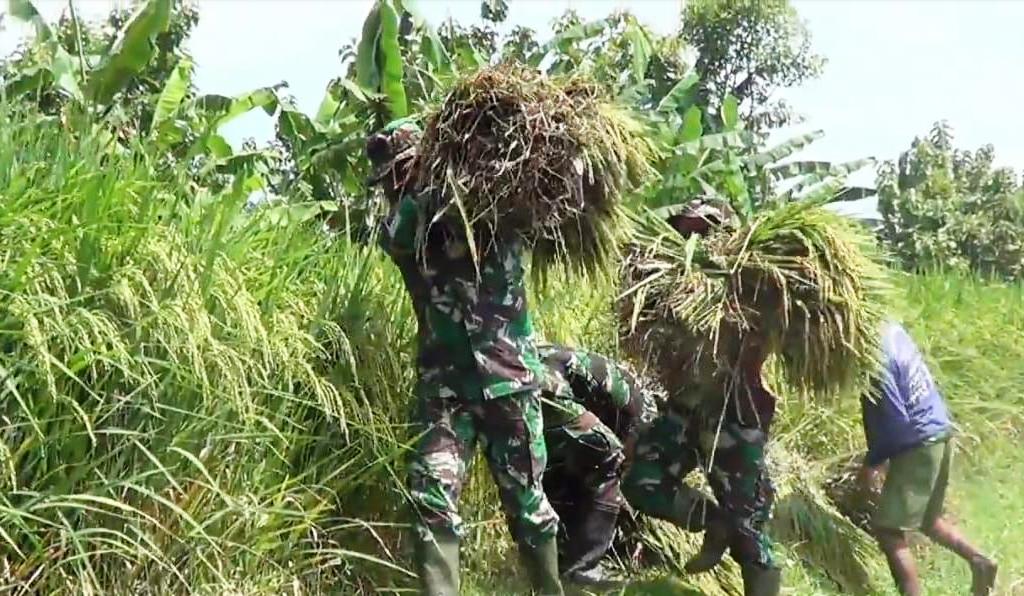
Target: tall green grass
198, 400
191, 397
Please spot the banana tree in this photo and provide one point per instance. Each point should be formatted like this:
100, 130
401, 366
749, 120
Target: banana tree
397, 65
730, 165
56, 67
185, 126
380, 66
792, 180
90, 82
177, 118
326, 148
91, 79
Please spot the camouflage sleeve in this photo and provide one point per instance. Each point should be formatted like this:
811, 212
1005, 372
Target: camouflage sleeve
636, 405
398, 232
606, 380
607, 388
595, 379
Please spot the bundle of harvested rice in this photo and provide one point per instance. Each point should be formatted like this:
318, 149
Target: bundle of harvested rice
801, 281
805, 518
846, 494
512, 152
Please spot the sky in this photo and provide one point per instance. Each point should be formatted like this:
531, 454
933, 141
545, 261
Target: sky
894, 66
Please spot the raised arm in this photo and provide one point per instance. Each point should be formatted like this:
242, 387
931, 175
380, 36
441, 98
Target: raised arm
399, 231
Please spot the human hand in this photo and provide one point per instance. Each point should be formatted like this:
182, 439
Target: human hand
870, 480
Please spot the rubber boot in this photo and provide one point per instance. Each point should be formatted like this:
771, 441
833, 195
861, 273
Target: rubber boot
759, 580
541, 563
589, 538
983, 575
595, 578
437, 565
716, 542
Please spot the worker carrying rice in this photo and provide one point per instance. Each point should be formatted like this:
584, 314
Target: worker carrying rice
908, 431
593, 409
720, 423
478, 378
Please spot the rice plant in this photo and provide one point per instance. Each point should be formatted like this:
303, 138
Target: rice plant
200, 400
183, 405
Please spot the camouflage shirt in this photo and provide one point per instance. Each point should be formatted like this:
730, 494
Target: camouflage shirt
475, 330
580, 380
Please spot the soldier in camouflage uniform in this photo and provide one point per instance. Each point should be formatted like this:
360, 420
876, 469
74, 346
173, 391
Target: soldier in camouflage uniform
592, 407
725, 436
479, 377
727, 441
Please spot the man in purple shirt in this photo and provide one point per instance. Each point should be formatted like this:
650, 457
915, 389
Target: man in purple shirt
908, 430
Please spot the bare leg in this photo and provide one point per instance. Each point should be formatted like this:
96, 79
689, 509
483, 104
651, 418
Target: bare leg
983, 570
896, 548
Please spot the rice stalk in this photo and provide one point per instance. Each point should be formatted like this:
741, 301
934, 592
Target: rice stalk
170, 413
513, 153
805, 283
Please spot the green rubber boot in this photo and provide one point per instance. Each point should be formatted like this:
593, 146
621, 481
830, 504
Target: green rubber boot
759, 580
437, 565
541, 563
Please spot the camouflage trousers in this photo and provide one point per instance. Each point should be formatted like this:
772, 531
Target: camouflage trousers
585, 459
510, 429
582, 481
732, 458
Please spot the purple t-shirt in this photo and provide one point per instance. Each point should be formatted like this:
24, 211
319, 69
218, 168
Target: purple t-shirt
907, 409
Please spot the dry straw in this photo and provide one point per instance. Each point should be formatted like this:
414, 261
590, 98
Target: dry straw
801, 280
513, 153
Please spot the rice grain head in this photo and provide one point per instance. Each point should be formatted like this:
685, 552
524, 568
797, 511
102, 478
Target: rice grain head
806, 283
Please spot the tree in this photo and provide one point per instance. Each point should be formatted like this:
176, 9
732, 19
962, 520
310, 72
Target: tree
399, 66
749, 49
127, 78
642, 68
116, 79
946, 207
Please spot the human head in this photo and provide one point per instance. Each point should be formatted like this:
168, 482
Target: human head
392, 153
700, 215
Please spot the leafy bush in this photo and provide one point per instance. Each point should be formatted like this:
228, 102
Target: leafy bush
949, 208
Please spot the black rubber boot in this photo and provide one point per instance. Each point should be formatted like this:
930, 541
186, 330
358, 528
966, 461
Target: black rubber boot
541, 563
437, 565
589, 538
595, 578
717, 535
759, 580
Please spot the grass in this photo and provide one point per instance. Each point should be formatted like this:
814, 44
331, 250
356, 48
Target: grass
195, 400
985, 500
182, 403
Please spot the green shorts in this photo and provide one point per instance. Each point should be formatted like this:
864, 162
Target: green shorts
914, 492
